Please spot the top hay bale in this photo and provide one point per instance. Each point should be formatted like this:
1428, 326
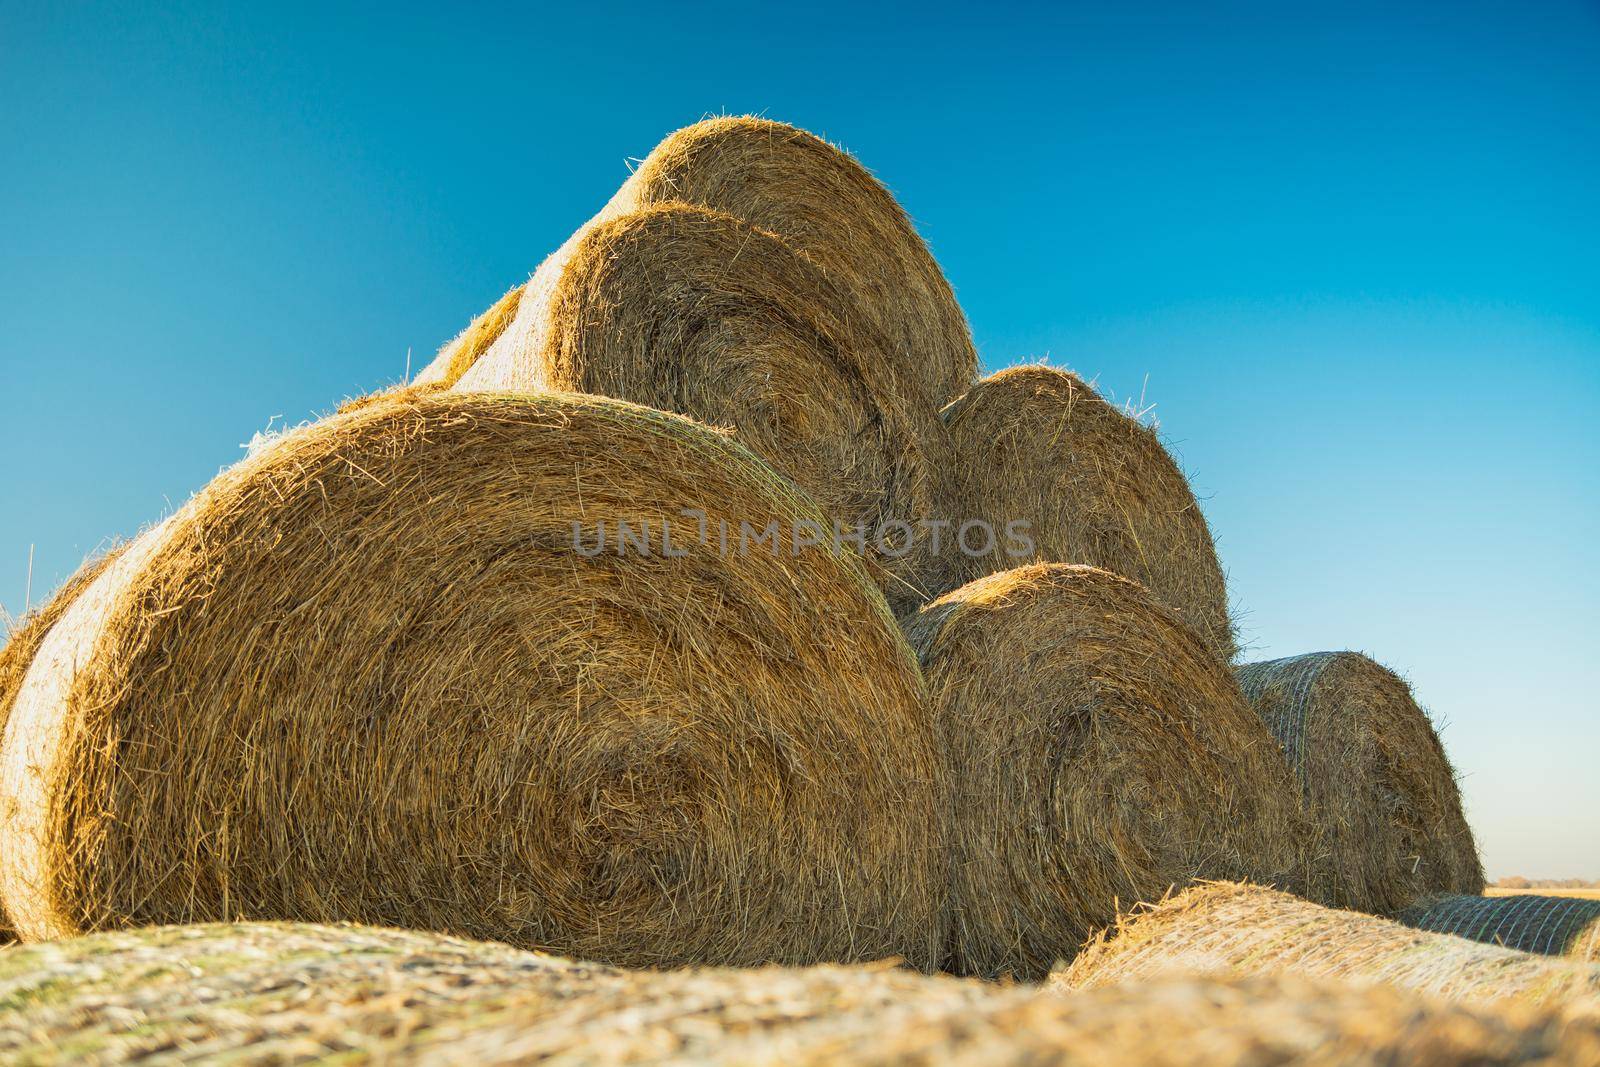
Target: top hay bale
1551, 925
1097, 754
1035, 444
1375, 778
1242, 929
825, 204
385, 671
288, 992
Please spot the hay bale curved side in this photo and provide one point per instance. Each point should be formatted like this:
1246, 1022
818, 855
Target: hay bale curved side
823, 203
699, 313
1375, 777
291, 992
1035, 444
1097, 754
381, 672
1244, 929
1531, 922
22, 642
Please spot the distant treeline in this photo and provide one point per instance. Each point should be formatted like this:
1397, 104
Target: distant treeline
1516, 881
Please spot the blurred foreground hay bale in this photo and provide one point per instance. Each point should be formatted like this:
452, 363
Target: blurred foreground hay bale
263, 993
1228, 928
700, 313
1097, 754
1375, 777
1035, 444
1550, 925
370, 674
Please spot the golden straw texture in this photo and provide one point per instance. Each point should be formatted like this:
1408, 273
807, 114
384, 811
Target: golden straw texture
1097, 755
369, 674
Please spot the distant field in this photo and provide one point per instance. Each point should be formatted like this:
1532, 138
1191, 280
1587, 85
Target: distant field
1586, 894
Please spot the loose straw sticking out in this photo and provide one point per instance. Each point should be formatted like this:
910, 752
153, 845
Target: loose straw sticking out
1035, 445
1375, 777
699, 313
1097, 754
292, 992
1241, 929
367, 674
22, 642
1551, 925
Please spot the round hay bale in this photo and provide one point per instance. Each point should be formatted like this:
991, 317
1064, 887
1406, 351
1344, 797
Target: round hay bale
1097, 755
1036, 445
1375, 779
386, 671
699, 313
1549, 925
282, 993
824, 203
23, 638
1244, 929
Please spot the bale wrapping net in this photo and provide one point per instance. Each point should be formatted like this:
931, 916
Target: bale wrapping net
1375, 777
460, 664
1097, 754
280, 993
1035, 445
1550, 925
1244, 929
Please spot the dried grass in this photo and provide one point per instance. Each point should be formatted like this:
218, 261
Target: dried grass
1035, 444
365, 675
1098, 754
1375, 777
1250, 930
1531, 922
292, 993
822, 202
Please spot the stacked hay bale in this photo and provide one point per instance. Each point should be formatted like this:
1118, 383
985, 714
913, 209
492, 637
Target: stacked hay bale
1244, 929
822, 203
1096, 753
286, 993
1036, 445
1375, 778
381, 671
1553, 926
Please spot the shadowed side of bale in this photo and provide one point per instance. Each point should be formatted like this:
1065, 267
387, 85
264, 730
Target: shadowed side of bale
697, 312
1375, 778
290, 992
1097, 754
1036, 445
387, 670
1243, 929
1552, 926
22, 642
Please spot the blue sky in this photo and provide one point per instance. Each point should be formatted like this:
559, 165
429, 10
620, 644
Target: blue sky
1349, 253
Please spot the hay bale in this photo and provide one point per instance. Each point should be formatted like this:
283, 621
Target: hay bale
368, 674
1549, 925
23, 637
1242, 929
1097, 754
825, 204
1035, 444
1375, 778
697, 312
289, 993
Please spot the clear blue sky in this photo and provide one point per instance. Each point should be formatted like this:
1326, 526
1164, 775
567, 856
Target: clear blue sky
1351, 255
